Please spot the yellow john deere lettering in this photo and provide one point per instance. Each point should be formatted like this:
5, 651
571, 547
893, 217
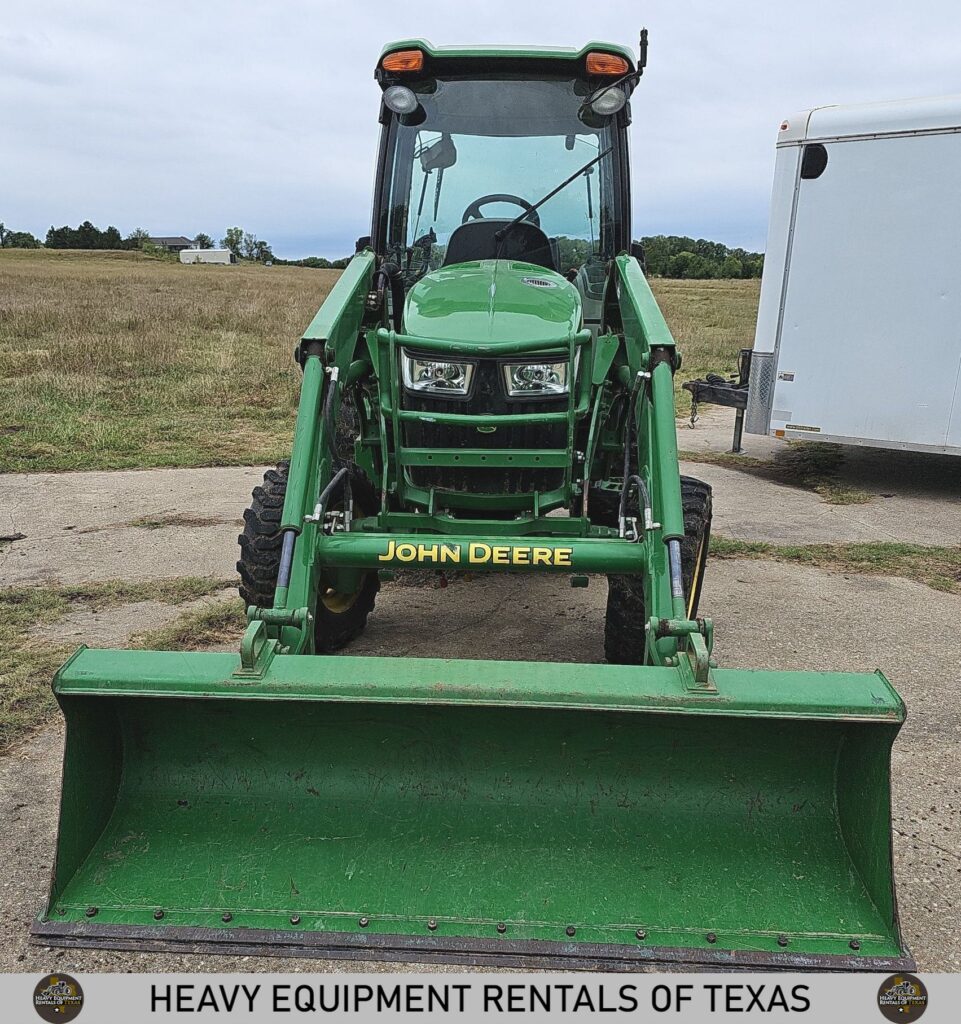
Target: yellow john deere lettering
477, 553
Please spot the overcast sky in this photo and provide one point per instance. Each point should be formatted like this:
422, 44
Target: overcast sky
191, 116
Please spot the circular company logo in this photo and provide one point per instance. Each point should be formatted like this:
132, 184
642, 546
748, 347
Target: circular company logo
58, 998
902, 997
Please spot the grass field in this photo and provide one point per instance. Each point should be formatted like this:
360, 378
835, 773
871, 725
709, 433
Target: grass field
115, 360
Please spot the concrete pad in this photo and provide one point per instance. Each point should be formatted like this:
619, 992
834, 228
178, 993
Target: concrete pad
770, 615
714, 432
111, 627
76, 524
748, 507
915, 499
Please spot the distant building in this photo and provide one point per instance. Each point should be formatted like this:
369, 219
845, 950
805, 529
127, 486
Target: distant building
207, 256
172, 243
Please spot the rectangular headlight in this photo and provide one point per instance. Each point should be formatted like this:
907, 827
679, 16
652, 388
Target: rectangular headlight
436, 376
536, 380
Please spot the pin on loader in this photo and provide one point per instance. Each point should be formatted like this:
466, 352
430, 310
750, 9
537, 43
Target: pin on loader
492, 354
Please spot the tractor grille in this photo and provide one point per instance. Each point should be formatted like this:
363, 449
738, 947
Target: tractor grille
487, 397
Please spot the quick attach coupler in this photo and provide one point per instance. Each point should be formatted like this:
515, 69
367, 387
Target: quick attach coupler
696, 640
297, 617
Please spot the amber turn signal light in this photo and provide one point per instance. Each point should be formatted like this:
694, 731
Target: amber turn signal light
403, 60
606, 64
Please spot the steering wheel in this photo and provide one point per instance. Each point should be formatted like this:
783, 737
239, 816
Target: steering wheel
473, 211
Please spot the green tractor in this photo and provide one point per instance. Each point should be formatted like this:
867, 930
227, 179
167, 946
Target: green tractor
487, 388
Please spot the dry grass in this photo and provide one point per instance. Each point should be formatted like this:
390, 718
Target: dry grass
29, 661
198, 629
711, 322
938, 567
114, 360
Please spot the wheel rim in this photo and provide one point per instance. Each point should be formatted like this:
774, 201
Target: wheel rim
337, 601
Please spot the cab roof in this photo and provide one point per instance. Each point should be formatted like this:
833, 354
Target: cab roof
510, 52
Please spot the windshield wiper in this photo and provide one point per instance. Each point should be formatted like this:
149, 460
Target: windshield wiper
500, 235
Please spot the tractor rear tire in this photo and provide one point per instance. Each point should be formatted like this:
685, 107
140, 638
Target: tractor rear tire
338, 618
625, 639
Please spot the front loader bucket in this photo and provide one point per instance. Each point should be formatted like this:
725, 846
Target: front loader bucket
475, 812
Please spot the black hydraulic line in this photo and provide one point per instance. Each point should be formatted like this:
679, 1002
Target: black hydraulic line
330, 425
326, 493
644, 499
330, 429
290, 536
629, 420
389, 275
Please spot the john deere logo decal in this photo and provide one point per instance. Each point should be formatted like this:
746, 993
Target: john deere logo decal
58, 997
902, 997
475, 553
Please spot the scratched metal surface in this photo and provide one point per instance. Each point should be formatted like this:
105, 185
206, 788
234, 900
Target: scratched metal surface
488, 824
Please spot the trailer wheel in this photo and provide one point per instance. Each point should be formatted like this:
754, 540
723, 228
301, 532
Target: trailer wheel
625, 642
338, 617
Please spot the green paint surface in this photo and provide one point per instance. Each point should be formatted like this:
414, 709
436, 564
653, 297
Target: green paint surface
488, 301
474, 793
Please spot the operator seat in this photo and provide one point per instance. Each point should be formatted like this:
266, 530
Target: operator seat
474, 240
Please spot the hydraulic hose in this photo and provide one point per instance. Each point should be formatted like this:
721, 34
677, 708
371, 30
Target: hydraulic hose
328, 416
330, 430
644, 500
644, 497
389, 275
286, 559
325, 494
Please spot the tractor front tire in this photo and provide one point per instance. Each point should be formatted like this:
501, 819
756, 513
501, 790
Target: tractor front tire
625, 638
338, 618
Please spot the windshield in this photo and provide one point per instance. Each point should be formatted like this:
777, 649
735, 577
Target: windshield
487, 150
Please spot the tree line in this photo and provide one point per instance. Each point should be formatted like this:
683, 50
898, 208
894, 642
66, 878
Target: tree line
683, 257
674, 256
17, 239
243, 244
665, 255
317, 263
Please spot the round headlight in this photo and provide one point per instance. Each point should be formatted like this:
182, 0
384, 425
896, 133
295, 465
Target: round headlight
609, 101
400, 99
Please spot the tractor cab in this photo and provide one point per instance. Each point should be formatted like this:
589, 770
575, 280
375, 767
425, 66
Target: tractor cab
519, 156
501, 201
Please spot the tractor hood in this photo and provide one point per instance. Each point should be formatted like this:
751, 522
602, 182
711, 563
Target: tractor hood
493, 301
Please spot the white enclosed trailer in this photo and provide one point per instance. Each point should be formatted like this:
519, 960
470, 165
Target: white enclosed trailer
859, 326
207, 256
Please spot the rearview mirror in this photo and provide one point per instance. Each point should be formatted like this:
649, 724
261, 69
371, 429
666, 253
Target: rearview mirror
439, 156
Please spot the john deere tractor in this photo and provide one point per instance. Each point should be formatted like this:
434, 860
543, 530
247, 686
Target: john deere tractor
487, 388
